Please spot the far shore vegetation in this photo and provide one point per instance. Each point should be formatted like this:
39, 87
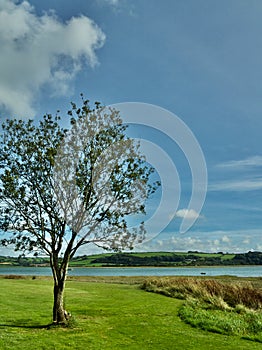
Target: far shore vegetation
161, 259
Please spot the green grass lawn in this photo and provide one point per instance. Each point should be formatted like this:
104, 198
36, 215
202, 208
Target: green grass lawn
107, 316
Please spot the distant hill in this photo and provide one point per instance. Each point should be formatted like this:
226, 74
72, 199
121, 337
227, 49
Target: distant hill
190, 258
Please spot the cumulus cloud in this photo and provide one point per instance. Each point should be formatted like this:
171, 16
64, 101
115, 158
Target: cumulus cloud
225, 239
235, 241
41, 51
187, 214
246, 241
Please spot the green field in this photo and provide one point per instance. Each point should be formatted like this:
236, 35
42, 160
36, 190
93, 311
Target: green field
89, 261
116, 315
166, 259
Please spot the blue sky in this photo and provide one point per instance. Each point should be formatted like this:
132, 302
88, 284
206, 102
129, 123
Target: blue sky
198, 59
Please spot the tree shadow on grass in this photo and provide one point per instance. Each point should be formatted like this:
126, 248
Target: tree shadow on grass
25, 326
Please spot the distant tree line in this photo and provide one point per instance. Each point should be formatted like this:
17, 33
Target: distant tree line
250, 258
190, 259
23, 261
133, 259
125, 259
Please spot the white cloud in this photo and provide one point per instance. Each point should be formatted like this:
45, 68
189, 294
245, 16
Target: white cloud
246, 241
225, 239
114, 3
187, 214
235, 241
38, 51
237, 185
216, 242
254, 161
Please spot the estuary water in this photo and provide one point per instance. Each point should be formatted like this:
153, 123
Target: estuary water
240, 271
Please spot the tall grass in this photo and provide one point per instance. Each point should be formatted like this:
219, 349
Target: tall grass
219, 294
226, 308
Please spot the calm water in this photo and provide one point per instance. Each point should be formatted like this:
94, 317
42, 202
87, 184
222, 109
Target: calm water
241, 271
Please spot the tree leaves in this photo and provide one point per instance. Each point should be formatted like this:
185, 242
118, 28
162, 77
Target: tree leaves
61, 189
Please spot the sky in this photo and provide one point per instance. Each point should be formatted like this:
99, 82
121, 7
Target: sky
196, 61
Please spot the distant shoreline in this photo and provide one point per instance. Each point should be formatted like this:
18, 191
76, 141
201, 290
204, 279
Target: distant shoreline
135, 266
147, 259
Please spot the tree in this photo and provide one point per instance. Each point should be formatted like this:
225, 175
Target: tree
61, 189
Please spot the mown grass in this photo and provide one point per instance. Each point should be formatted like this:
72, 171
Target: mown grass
226, 308
106, 316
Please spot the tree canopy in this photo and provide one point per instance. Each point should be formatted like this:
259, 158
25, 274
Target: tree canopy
62, 188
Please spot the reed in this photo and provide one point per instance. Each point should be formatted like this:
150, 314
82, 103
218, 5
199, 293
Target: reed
219, 294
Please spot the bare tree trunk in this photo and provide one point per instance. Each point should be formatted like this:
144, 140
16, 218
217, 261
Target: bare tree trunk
59, 313
59, 270
60, 316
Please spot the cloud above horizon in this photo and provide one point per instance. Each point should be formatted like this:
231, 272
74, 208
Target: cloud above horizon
111, 2
254, 161
187, 214
233, 241
41, 51
237, 185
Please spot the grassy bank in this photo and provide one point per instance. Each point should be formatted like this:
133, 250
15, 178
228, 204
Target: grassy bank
214, 305
116, 315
